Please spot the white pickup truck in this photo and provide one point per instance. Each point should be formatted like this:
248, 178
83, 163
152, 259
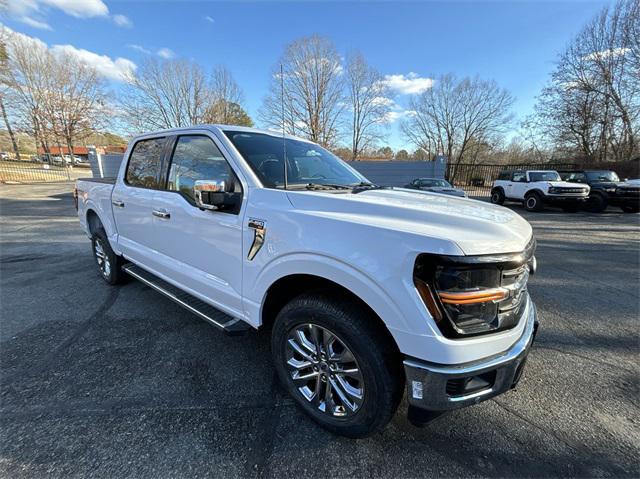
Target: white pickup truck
365, 289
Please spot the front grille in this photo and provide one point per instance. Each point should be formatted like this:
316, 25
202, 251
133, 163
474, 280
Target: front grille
569, 190
628, 192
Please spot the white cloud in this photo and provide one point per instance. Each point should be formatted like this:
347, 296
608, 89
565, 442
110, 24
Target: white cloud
32, 22
117, 69
122, 21
33, 12
409, 84
165, 53
139, 48
114, 69
209, 19
381, 100
395, 115
33, 42
79, 8
612, 52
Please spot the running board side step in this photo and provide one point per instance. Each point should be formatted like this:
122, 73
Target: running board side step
211, 315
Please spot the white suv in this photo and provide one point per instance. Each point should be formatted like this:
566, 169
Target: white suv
535, 188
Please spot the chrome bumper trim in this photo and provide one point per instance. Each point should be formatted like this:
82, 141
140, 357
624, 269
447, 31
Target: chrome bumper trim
433, 377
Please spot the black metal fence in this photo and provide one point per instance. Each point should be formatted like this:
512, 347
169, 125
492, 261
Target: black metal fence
477, 179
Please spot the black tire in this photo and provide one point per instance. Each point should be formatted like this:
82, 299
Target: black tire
630, 208
382, 377
109, 264
596, 203
497, 196
533, 202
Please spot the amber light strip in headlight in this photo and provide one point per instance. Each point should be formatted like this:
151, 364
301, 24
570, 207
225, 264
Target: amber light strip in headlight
429, 300
472, 297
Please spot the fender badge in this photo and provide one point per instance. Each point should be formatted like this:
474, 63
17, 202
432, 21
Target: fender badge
258, 237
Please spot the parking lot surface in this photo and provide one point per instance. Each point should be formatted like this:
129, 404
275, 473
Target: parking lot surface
120, 382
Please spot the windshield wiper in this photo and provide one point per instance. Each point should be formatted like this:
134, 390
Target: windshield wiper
364, 186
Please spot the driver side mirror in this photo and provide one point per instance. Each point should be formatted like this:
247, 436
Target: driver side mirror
209, 194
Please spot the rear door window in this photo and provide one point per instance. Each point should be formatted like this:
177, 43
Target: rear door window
145, 162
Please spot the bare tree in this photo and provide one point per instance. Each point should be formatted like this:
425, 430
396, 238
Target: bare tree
27, 84
178, 93
458, 117
370, 104
58, 98
166, 94
310, 91
591, 106
226, 100
76, 102
4, 64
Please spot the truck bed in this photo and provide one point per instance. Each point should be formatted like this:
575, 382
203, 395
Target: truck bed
96, 192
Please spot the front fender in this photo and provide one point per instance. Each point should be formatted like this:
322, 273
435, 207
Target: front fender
331, 269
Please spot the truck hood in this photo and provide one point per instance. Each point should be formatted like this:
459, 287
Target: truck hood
445, 190
566, 184
474, 226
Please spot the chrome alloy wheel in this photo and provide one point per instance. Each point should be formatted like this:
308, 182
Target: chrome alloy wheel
324, 370
102, 258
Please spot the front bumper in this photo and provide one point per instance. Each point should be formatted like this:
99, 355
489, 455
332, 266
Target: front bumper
564, 199
436, 387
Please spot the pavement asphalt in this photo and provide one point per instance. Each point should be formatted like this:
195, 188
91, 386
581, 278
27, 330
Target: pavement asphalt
118, 382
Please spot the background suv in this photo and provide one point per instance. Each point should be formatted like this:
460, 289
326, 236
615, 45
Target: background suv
535, 188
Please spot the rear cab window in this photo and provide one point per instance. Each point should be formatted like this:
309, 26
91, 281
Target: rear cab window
145, 163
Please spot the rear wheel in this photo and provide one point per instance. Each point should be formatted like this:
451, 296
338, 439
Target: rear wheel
533, 202
109, 264
338, 367
497, 196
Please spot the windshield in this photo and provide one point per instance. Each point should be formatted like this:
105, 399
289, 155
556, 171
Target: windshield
602, 176
544, 176
307, 163
435, 183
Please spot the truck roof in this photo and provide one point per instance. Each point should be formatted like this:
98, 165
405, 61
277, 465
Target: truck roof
221, 128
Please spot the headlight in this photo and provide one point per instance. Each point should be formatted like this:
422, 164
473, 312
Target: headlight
468, 296
554, 190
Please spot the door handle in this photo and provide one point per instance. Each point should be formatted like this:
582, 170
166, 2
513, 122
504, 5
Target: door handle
118, 203
164, 214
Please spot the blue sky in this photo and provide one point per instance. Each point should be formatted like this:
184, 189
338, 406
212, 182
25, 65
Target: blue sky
515, 43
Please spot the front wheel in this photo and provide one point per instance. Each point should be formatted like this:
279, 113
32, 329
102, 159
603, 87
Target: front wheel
596, 203
337, 365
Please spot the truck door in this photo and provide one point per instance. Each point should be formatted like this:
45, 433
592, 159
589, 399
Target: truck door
200, 249
132, 200
518, 185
